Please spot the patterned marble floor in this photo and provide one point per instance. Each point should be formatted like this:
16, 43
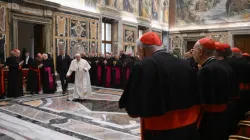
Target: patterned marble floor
52, 117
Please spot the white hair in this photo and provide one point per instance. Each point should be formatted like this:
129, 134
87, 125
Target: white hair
207, 52
140, 44
78, 54
45, 55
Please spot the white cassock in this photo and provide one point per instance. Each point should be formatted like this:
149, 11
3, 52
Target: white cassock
82, 86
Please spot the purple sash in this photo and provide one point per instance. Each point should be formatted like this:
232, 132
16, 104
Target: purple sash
51, 83
117, 75
108, 76
99, 74
127, 73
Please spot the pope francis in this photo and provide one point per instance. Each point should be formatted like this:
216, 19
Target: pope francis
82, 86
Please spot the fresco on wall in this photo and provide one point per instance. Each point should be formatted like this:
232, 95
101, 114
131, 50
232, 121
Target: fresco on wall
155, 9
129, 6
165, 9
198, 12
144, 8
2, 46
2, 18
91, 4
78, 28
129, 36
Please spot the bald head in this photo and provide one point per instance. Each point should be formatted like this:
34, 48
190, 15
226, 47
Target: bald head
203, 49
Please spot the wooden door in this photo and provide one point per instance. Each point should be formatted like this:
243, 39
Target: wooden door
38, 39
242, 42
190, 45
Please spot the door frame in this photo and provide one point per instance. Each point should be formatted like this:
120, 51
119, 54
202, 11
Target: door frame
47, 31
231, 35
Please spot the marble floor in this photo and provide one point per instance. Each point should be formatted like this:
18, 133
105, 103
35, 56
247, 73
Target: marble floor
52, 117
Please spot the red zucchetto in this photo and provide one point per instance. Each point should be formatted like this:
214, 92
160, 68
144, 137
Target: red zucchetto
235, 49
207, 43
226, 46
219, 46
245, 54
151, 38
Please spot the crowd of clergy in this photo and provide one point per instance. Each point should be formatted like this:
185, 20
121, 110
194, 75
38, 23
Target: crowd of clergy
202, 97
109, 71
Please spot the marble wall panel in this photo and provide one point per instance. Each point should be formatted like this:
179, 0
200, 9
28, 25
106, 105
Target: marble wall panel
78, 28
93, 30
129, 38
78, 46
61, 26
93, 46
2, 47
61, 44
2, 18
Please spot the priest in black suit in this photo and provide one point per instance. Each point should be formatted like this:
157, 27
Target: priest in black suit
62, 65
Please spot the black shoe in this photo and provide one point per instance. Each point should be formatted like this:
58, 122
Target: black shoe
63, 92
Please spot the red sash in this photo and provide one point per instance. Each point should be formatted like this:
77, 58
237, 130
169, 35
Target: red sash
108, 76
99, 74
171, 120
39, 77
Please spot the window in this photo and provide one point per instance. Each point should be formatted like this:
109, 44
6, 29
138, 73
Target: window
140, 33
106, 38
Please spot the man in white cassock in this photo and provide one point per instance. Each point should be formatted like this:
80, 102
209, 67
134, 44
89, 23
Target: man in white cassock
82, 86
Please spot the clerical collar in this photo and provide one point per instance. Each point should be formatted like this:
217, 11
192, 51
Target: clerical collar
230, 56
159, 51
208, 60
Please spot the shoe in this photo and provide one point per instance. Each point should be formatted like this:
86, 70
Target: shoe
63, 92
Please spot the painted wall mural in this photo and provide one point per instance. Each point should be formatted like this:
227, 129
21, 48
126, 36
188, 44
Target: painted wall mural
91, 3
129, 6
2, 18
165, 11
198, 12
61, 26
78, 28
155, 9
145, 8
129, 37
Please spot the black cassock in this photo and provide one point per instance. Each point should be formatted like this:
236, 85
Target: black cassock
34, 79
116, 74
241, 97
93, 70
49, 84
162, 88
15, 84
215, 86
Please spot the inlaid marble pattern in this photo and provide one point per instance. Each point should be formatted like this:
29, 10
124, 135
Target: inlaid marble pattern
17, 128
2, 18
95, 131
61, 26
96, 118
78, 46
31, 113
78, 28
61, 44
